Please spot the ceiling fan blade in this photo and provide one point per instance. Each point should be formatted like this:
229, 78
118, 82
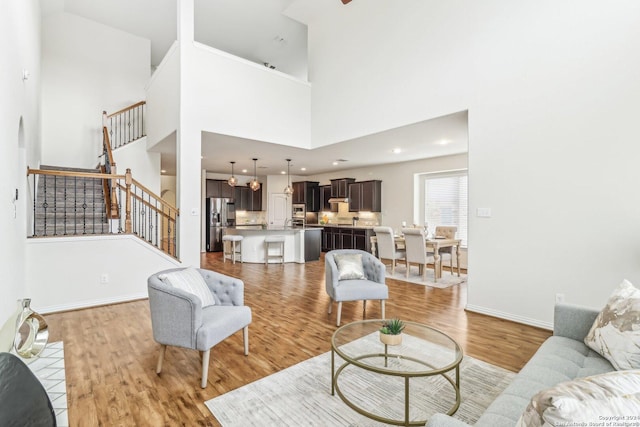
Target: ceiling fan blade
345, 1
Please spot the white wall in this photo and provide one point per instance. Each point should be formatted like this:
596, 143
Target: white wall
87, 68
144, 165
551, 90
70, 269
163, 98
563, 113
236, 97
19, 49
378, 65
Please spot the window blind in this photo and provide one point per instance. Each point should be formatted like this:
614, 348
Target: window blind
446, 203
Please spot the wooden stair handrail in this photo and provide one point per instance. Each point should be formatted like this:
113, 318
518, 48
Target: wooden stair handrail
105, 190
146, 190
165, 210
73, 173
110, 197
124, 110
149, 205
101, 176
107, 145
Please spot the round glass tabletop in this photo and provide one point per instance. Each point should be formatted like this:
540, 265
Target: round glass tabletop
423, 350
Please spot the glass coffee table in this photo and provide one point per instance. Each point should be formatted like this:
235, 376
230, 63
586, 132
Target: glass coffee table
423, 352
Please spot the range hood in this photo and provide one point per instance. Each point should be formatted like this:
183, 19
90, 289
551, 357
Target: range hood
339, 200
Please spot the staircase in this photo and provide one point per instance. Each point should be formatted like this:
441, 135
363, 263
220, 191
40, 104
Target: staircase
69, 205
70, 201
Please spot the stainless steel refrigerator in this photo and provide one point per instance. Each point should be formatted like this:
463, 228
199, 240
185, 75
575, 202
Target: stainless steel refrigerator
221, 213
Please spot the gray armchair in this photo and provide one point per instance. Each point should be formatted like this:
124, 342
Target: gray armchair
178, 319
371, 288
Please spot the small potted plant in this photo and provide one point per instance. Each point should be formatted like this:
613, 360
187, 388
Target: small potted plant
391, 331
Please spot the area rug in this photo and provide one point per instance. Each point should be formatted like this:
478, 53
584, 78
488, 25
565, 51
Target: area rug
445, 281
301, 395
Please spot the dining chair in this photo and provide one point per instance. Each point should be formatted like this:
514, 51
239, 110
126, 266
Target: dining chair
415, 244
387, 246
446, 232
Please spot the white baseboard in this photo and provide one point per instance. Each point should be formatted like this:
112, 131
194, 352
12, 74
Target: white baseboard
510, 316
91, 303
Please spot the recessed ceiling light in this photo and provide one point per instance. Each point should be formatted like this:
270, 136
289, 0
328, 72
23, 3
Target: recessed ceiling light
335, 163
396, 150
283, 173
163, 171
303, 169
244, 171
444, 142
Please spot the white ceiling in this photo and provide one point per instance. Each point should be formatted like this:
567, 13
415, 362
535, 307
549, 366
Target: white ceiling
259, 31
430, 138
256, 30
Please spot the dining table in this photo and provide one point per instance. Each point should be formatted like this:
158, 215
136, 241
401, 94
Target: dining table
432, 245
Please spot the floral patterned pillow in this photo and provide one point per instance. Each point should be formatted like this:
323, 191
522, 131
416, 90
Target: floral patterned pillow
615, 334
596, 400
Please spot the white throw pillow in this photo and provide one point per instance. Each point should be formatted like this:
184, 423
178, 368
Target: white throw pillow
349, 266
190, 280
615, 334
603, 398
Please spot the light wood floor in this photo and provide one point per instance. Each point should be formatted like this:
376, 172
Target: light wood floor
110, 355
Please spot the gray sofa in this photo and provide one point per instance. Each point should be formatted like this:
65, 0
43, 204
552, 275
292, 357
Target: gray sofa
562, 357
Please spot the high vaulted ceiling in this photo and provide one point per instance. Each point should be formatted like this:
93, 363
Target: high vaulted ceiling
256, 30
262, 32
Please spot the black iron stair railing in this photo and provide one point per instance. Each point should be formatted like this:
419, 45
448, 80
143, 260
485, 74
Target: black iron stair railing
71, 203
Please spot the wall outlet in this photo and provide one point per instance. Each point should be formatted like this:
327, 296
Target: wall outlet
559, 297
104, 278
483, 212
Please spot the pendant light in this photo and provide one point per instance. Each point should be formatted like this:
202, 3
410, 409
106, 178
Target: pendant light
233, 180
254, 184
288, 190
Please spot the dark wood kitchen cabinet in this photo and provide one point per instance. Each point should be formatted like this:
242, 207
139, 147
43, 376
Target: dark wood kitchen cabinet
219, 188
247, 200
346, 238
256, 199
213, 188
362, 239
241, 198
331, 239
340, 187
355, 196
325, 195
307, 193
365, 196
226, 190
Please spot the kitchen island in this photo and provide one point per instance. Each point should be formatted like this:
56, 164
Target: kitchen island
343, 236
253, 246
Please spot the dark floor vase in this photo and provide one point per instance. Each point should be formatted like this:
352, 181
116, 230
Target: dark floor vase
23, 400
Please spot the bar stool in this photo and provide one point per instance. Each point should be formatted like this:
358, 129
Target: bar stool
231, 247
274, 240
